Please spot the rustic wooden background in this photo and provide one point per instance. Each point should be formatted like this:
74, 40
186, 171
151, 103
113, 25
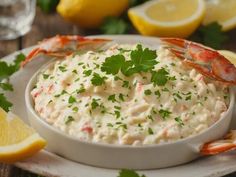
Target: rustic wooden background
47, 25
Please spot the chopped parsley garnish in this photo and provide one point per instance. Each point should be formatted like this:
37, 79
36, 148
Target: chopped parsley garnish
159, 77
117, 107
87, 72
150, 117
177, 95
45, 76
125, 84
62, 68
69, 119
5, 72
97, 79
157, 93
71, 100
117, 113
75, 109
148, 92
150, 131
189, 98
81, 90
113, 64
121, 97
109, 125
112, 98
164, 113
179, 121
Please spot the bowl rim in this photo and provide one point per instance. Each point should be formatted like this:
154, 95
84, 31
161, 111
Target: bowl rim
30, 108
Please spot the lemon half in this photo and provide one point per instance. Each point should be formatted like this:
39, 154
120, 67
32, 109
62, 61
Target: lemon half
172, 18
17, 140
222, 11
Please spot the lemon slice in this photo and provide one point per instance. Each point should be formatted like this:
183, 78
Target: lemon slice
222, 11
231, 56
17, 140
90, 13
169, 18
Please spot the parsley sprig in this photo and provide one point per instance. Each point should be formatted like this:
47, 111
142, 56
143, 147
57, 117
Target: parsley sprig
5, 72
142, 60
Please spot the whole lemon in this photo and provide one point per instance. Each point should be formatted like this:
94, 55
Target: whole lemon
90, 13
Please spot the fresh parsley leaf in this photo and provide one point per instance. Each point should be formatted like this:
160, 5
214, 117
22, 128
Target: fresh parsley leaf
113, 64
4, 103
97, 79
114, 25
159, 77
129, 173
164, 113
6, 86
144, 60
210, 35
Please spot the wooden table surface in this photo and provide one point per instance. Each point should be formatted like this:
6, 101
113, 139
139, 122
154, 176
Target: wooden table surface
46, 25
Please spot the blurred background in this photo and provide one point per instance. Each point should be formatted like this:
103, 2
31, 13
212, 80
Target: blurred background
25, 22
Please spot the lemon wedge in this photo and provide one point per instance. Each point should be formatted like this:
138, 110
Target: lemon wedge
17, 140
231, 56
90, 13
168, 18
222, 11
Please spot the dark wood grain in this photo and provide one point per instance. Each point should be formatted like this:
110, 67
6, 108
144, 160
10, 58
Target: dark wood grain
47, 25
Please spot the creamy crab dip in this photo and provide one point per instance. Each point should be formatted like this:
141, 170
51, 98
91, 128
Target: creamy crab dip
128, 94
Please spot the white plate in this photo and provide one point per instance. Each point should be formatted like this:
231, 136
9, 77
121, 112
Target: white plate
46, 163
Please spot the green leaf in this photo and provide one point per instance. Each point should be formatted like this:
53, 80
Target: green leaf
112, 98
6, 86
210, 35
69, 119
114, 25
47, 6
129, 173
144, 60
94, 104
4, 103
164, 113
113, 64
159, 77
97, 79
179, 121
71, 100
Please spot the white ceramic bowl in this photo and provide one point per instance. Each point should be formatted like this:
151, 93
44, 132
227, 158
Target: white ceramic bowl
125, 156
